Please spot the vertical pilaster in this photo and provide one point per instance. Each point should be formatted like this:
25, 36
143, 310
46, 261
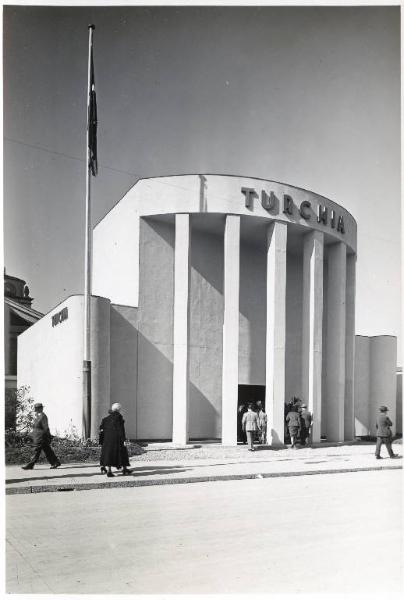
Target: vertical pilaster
312, 327
335, 353
181, 328
276, 332
230, 329
349, 413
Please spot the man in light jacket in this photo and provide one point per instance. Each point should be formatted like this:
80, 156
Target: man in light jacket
250, 425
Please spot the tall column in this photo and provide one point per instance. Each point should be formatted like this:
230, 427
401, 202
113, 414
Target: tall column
181, 328
312, 329
230, 330
335, 353
349, 412
276, 332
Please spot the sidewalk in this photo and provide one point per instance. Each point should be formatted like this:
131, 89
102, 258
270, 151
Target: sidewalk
164, 464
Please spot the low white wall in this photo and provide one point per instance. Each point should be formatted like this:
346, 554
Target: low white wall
50, 362
399, 401
383, 382
375, 381
362, 385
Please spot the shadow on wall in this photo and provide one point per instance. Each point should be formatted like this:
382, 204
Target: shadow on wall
123, 362
155, 400
275, 439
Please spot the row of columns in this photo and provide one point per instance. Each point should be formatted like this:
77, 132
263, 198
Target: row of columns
339, 349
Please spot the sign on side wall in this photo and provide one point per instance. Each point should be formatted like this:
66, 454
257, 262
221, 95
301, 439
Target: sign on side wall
59, 317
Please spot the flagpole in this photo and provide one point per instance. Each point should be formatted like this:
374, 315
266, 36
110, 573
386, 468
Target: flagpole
87, 265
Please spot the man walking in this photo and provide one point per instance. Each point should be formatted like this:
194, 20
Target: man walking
305, 425
41, 439
250, 425
384, 434
293, 423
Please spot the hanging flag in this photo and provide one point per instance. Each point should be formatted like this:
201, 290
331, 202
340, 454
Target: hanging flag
92, 121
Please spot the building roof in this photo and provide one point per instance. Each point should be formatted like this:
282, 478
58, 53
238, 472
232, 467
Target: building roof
23, 311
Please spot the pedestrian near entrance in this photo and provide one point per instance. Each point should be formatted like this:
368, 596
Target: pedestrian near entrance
112, 439
384, 433
250, 426
293, 423
262, 425
305, 424
241, 436
41, 439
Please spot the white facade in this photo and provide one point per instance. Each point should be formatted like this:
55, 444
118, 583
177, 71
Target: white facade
206, 283
375, 382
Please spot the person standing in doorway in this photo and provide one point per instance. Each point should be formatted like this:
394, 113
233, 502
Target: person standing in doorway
384, 433
262, 425
41, 439
250, 425
241, 436
293, 423
305, 425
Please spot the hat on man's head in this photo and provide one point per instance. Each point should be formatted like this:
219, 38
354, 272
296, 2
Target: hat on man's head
38, 405
383, 409
116, 407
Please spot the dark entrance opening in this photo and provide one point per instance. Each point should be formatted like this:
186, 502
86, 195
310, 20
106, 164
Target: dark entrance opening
251, 393
246, 394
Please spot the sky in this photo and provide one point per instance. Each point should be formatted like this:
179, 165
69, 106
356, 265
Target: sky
308, 96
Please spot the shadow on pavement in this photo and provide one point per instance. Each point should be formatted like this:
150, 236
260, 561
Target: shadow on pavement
133, 472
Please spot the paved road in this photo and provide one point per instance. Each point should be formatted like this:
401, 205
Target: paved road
329, 533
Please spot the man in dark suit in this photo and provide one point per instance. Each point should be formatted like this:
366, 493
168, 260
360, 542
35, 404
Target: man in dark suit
305, 425
41, 439
384, 434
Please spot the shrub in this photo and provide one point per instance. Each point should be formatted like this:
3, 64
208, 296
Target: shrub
24, 405
18, 449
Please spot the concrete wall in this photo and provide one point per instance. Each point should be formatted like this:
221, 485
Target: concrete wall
399, 402
206, 338
375, 381
124, 363
116, 237
252, 314
294, 307
51, 363
100, 361
383, 383
362, 385
116, 255
324, 355
155, 337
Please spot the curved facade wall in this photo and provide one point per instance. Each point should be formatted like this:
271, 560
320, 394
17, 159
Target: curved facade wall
235, 282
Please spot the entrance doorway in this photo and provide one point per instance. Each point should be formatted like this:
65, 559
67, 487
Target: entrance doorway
246, 394
251, 393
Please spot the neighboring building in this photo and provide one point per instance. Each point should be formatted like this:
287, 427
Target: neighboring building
18, 316
375, 382
399, 401
208, 290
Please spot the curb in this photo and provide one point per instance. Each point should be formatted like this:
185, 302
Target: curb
178, 480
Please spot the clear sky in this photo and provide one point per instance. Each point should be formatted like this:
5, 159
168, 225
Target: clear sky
308, 96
